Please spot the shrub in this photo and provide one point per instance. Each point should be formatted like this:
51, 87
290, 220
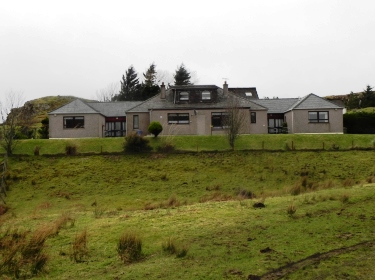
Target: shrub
129, 247
71, 149
135, 144
79, 247
155, 128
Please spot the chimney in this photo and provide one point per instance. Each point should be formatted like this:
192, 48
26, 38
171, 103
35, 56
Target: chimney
225, 88
162, 91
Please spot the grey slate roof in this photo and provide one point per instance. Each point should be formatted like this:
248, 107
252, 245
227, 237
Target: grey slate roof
284, 105
77, 106
156, 103
107, 109
277, 105
313, 101
113, 109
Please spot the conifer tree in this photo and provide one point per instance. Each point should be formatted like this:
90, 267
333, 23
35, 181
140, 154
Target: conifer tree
182, 76
130, 87
150, 87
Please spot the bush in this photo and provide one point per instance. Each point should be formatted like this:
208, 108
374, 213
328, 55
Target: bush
135, 144
155, 128
129, 247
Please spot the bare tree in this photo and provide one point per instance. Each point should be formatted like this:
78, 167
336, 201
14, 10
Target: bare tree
106, 94
164, 76
10, 116
234, 119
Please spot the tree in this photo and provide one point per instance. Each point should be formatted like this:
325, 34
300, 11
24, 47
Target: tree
368, 97
182, 76
150, 76
353, 101
234, 119
155, 128
44, 129
150, 87
130, 87
10, 117
108, 93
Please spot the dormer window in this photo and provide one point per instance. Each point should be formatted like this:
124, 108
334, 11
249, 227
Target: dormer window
206, 95
184, 96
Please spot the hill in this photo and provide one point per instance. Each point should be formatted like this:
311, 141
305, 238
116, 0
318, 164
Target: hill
317, 222
37, 109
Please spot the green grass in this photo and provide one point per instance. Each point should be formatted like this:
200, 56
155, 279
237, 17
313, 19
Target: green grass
206, 143
105, 195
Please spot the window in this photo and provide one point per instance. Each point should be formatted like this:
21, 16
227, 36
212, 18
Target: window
248, 94
114, 129
179, 118
135, 122
218, 119
206, 95
253, 117
184, 96
318, 117
74, 122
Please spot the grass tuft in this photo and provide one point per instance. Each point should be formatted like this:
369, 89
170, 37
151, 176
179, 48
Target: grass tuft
171, 246
291, 209
79, 247
129, 247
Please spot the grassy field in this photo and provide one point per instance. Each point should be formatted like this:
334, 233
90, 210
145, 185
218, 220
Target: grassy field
206, 143
318, 221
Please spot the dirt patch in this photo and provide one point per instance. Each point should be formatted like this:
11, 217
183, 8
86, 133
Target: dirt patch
310, 260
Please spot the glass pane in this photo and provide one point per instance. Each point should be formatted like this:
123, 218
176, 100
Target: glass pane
323, 115
313, 116
206, 95
184, 95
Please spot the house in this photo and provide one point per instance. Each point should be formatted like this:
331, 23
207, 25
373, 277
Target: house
310, 114
79, 119
196, 110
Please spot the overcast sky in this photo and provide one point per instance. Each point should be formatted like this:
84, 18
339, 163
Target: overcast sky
286, 48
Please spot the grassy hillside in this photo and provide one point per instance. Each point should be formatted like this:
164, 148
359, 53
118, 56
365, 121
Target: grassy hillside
318, 219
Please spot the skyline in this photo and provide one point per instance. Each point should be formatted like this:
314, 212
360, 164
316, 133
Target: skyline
284, 49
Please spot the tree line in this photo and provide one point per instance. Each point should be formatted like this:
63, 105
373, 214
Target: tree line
361, 100
131, 89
